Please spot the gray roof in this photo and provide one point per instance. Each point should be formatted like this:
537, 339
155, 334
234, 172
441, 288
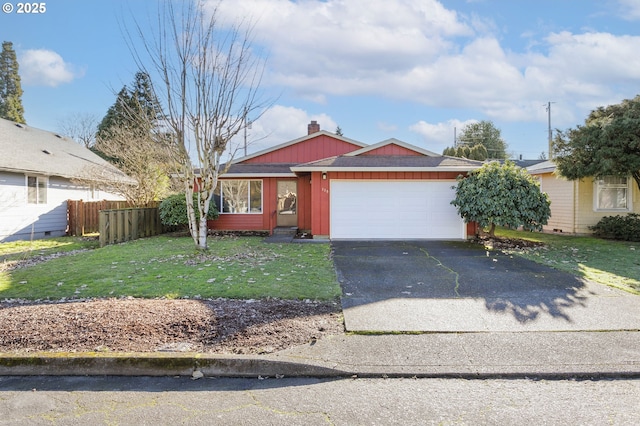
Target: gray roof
260, 169
371, 162
547, 166
25, 149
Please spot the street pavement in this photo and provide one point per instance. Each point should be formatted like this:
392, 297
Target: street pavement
423, 309
310, 401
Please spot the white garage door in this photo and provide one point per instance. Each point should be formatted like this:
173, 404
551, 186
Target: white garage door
394, 210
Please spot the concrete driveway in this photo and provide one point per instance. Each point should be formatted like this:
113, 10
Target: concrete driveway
438, 286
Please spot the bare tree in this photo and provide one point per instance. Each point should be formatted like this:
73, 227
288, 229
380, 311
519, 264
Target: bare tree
141, 156
81, 127
208, 78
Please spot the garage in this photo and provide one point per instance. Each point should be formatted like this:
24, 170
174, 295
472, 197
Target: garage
397, 209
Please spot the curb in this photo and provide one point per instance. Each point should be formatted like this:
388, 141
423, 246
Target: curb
200, 365
144, 364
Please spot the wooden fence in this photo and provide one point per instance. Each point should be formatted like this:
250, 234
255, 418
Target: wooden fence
119, 225
83, 216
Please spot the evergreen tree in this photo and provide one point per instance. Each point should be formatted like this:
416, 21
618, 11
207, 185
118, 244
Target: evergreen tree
136, 109
10, 88
485, 133
608, 144
129, 137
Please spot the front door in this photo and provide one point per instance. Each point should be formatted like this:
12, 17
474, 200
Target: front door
287, 212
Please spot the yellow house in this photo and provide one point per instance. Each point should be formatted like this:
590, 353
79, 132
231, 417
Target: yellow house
577, 205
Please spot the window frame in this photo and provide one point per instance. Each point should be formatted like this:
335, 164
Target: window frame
599, 185
249, 200
41, 188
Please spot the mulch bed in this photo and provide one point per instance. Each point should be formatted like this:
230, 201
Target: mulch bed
143, 325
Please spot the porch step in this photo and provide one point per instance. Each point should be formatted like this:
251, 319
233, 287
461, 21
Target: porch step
285, 231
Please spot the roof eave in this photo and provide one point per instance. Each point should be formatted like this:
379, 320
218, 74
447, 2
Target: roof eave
384, 169
256, 175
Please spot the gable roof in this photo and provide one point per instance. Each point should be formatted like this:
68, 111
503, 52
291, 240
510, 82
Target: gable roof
29, 150
389, 142
297, 141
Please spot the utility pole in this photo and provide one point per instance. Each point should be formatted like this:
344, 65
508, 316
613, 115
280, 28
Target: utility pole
549, 128
247, 125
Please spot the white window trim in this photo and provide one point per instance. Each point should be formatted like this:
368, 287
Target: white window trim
39, 179
222, 181
596, 208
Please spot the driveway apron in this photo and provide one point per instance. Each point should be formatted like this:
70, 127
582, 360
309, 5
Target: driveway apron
444, 286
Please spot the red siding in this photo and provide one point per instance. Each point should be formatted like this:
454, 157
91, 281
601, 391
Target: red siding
320, 203
317, 148
267, 220
392, 149
253, 221
304, 202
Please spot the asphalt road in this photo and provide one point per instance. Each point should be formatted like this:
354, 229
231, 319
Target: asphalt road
172, 401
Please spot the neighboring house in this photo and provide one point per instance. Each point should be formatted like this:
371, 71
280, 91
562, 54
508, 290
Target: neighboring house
38, 174
335, 187
578, 204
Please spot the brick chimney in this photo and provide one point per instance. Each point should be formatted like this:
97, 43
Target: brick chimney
313, 127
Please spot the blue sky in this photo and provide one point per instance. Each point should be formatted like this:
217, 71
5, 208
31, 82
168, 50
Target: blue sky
409, 69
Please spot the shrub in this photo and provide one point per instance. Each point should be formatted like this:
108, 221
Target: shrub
626, 228
173, 210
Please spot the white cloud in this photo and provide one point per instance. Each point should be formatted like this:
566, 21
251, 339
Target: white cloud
41, 67
420, 51
439, 135
630, 9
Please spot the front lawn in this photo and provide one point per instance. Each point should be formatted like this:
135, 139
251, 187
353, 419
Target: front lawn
171, 267
20, 250
613, 263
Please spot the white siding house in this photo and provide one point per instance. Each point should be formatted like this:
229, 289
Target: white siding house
38, 173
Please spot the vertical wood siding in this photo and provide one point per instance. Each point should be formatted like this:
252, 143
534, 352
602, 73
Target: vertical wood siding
392, 149
317, 148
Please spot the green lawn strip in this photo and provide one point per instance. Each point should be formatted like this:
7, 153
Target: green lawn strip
166, 266
20, 250
613, 263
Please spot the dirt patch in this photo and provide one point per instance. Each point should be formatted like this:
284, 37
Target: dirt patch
508, 244
142, 325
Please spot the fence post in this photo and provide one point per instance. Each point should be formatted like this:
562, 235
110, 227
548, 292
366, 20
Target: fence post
103, 219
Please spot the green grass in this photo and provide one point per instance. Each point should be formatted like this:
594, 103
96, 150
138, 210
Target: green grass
19, 250
612, 263
171, 267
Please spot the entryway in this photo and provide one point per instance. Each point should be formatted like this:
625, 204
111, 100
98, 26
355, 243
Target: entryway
287, 203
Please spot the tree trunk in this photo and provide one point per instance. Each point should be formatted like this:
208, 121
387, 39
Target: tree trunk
202, 233
636, 177
492, 230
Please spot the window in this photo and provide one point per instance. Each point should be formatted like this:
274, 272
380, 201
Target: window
241, 196
36, 190
612, 193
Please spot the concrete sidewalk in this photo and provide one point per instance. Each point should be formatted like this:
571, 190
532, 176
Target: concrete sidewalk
557, 355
